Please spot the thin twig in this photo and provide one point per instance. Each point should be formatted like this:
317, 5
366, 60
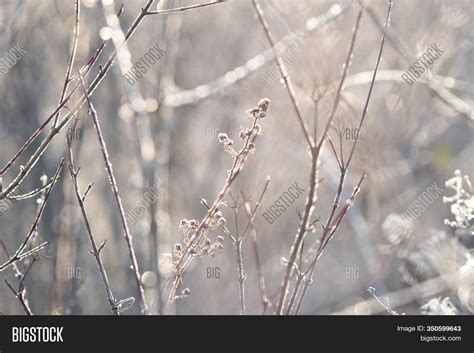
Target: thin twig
242, 277
114, 187
20, 295
258, 262
144, 139
29, 194
387, 307
341, 82
313, 186
184, 8
19, 254
330, 228
286, 78
379, 58
333, 221
95, 250
72, 56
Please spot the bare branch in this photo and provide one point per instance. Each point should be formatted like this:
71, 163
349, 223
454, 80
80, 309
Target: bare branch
118, 199
95, 250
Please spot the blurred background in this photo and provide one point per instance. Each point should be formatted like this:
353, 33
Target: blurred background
162, 130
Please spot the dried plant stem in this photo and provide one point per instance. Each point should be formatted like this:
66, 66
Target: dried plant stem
186, 259
21, 296
286, 78
379, 58
333, 221
72, 56
95, 249
329, 229
256, 253
385, 306
313, 186
261, 280
29, 194
312, 194
296, 290
118, 199
237, 165
235, 170
242, 276
144, 141
341, 83
237, 241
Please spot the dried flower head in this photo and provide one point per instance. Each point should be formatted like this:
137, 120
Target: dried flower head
226, 142
177, 247
244, 133
212, 250
183, 223
193, 224
264, 104
217, 220
222, 137
260, 110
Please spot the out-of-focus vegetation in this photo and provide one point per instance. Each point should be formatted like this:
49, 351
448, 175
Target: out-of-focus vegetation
163, 132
